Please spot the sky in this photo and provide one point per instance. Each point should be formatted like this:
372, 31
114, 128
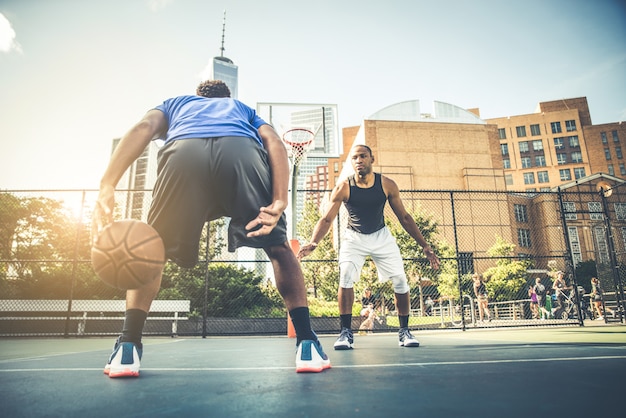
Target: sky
75, 74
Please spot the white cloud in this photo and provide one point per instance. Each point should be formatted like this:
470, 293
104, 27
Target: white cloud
156, 5
7, 36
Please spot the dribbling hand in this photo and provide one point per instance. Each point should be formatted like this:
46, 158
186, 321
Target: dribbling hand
103, 211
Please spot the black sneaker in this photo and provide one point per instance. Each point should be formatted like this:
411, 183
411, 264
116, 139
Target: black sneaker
406, 339
345, 340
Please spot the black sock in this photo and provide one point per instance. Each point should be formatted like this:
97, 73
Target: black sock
302, 323
133, 325
346, 321
404, 321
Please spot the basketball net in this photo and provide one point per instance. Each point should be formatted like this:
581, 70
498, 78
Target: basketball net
298, 142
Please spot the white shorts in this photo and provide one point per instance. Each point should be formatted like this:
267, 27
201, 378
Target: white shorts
381, 246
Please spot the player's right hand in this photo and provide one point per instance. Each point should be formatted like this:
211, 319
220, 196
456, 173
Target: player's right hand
306, 250
103, 211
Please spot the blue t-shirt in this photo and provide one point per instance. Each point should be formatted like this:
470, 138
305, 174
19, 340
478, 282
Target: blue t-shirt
202, 117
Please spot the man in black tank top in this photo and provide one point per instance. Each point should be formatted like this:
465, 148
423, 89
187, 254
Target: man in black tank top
364, 195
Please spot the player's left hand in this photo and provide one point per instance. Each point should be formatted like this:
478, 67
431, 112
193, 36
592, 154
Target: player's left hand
265, 221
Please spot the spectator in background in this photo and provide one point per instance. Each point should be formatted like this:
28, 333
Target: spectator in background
534, 306
540, 291
597, 296
480, 290
559, 286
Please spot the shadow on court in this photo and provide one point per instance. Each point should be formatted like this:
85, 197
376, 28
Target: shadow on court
541, 372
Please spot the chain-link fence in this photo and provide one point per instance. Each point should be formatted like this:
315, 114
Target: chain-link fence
48, 287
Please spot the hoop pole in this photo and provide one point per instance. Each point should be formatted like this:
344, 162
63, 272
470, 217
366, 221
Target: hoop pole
294, 198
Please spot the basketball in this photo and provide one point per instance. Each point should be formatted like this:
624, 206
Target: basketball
129, 254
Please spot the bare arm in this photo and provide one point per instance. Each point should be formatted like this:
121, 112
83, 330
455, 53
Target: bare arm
279, 165
132, 145
406, 220
340, 194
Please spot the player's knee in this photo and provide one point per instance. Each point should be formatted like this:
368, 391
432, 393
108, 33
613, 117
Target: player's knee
347, 275
400, 284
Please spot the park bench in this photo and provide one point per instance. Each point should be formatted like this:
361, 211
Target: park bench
81, 312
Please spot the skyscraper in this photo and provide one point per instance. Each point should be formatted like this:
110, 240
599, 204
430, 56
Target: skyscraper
224, 69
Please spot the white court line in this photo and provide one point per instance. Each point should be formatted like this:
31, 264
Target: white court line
356, 366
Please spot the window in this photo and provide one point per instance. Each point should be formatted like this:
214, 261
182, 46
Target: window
538, 145
556, 127
529, 178
579, 173
611, 169
504, 148
506, 163
521, 131
561, 158
565, 174
607, 153
542, 177
570, 125
574, 243
601, 244
540, 161
573, 141
618, 152
535, 130
603, 137
523, 237
523, 146
620, 211
570, 211
502, 133
508, 179
521, 214
558, 143
577, 157
595, 211
526, 162
615, 137
336, 167
622, 169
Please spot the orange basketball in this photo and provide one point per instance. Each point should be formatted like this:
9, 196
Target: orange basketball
128, 254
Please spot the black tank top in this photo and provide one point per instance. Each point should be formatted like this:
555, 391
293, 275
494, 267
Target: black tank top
366, 206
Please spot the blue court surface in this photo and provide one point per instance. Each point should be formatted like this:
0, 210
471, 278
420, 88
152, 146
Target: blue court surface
533, 372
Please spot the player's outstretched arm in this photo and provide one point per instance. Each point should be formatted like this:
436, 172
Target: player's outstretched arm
407, 221
340, 194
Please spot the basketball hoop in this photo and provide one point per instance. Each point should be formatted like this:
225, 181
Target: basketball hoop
298, 141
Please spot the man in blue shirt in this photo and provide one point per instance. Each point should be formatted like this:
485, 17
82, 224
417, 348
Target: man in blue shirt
219, 159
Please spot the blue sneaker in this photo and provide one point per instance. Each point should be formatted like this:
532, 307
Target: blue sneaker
310, 357
125, 360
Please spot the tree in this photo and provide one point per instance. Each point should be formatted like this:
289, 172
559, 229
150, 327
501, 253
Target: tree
322, 277
507, 279
232, 291
40, 243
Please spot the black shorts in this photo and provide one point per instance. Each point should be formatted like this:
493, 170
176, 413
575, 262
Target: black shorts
199, 180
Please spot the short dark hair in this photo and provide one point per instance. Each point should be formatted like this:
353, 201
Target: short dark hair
364, 146
213, 88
